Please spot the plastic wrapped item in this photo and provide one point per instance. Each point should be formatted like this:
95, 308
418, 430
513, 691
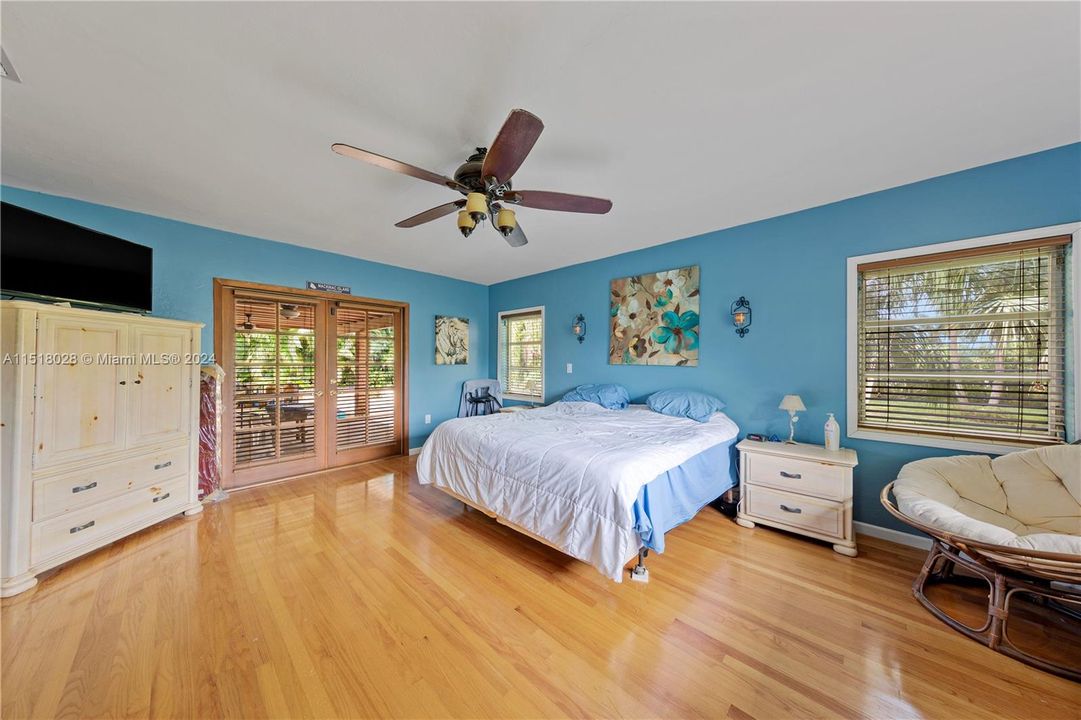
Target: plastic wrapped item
210, 410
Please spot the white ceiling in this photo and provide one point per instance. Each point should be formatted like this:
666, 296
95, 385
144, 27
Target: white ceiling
691, 117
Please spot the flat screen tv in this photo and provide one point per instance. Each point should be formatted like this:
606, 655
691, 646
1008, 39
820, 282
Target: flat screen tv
42, 257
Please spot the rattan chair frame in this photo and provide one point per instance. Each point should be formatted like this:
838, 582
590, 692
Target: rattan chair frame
1053, 578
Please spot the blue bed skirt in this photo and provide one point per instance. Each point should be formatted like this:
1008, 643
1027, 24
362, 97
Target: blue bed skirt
676, 496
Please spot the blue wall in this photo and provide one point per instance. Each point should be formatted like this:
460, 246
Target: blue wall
188, 257
792, 268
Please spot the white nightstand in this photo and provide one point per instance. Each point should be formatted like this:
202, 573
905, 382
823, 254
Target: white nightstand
804, 489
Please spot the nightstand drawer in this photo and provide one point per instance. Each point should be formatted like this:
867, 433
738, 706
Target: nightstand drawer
802, 476
820, 516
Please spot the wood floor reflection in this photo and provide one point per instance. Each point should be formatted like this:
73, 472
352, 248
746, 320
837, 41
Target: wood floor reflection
358, 593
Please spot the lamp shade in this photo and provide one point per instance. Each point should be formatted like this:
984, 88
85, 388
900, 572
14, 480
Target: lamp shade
792, 403
505, 221
476, 204
466, 223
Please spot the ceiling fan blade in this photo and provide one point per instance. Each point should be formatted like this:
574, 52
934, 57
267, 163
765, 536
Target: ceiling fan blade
544, 200
510, 147
429, 215
395, 165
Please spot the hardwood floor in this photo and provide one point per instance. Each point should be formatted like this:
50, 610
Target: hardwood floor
359, 593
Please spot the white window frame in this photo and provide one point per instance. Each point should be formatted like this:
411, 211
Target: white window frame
1073, 309
544, 352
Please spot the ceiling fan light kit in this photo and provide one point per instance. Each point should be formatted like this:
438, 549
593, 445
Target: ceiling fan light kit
485, 181
465, 223
506, 222
476, 204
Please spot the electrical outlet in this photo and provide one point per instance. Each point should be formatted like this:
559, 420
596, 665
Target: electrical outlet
570, 368
427, 419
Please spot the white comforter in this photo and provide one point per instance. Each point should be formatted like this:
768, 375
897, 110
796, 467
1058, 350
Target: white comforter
568, 473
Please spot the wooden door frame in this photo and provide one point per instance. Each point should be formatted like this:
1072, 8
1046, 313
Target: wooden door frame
223, 285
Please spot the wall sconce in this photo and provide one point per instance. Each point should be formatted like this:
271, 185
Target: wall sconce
741, 316
579, 328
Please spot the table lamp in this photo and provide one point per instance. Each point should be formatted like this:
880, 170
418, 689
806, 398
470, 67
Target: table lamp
793, 404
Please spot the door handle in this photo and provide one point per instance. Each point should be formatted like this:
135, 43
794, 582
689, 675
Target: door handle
319, 393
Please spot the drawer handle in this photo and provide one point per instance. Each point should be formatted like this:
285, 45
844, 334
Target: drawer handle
791, 510
84, 488
161, 497
159, 466
80, 528
791, 476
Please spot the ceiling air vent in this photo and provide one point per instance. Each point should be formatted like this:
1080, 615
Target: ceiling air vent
6, 69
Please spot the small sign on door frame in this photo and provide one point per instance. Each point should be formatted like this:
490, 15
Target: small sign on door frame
330, 287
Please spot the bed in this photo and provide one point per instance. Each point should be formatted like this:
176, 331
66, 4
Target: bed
599, 485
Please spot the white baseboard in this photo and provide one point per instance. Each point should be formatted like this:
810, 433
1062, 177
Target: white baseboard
901, 538
414, 451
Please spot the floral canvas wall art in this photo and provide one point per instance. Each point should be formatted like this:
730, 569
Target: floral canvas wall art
451, 340
655, 318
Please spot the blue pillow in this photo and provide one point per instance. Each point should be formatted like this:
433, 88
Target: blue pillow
613, 397
685, 403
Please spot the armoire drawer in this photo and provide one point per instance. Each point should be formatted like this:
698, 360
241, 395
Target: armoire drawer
86, 486
799, 511
84, 526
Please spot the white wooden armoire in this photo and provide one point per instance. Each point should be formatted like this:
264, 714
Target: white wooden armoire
100, 431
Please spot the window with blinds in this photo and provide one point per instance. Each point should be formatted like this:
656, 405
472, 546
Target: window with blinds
968, 344
521, 354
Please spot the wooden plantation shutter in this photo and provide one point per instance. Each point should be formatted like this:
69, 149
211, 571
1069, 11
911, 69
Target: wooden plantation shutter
274, 380
521, 355
366, 388
383, 385
969, 344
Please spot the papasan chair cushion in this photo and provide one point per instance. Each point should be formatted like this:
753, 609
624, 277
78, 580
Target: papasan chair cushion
1029, 499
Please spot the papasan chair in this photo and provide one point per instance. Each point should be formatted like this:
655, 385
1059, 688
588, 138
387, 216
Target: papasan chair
1015, 521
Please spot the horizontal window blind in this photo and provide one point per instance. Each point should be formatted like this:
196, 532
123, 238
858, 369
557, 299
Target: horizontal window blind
521, 354
968, 344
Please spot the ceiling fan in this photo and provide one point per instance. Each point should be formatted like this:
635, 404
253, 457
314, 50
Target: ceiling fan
485, 181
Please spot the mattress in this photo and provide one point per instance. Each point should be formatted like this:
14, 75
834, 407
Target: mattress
572, 473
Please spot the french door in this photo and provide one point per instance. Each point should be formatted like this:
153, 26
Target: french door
312, 382
365, 382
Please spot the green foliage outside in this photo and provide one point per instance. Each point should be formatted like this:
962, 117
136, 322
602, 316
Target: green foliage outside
977, 351
255, 360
